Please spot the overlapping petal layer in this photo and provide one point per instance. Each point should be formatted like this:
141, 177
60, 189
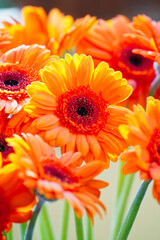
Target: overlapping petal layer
79, 111
142, 133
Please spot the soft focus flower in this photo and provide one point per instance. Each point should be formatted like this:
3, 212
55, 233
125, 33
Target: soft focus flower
106, 41
5, 40
145, 32
71, 38
143, 134
18, 68
16, 201
38, 28
53, 178
58, 23
78, 112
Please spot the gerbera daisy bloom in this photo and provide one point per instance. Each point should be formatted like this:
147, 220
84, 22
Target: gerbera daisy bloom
18, 68
78, 112
37, 27
53, 178
5, 40
32, 30
18, 123
142, 133
16, 200
106, 41
145, 32
70, 39
58, 23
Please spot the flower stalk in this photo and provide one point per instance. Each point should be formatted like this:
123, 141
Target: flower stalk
132, 213
121, 205
64, 223
31, 225
79, 228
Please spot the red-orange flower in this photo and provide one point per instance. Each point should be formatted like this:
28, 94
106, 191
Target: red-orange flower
106, 41
18, 68
16, 200
53, 178
146, 33
78, 112
143, 134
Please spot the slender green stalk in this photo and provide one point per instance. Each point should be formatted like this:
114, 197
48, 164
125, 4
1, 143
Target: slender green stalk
44, 225
31, 225
121, 206
79, 228
10, 234
156, 83
89, 229
22, 228
64, 224
5, 234
120, 181
132, 213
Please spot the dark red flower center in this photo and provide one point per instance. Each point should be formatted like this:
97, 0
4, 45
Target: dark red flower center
154, 147
4, 148
82, 110
13, 81
14, 78
51, 170
136, 60
132, 63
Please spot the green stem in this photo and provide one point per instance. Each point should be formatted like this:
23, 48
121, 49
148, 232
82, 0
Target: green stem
64, 224
132, 213
31, 225
5, 234
22, 228
10, 234
79, 228
121, 205
89, 229
45, 229
120, 181
155, 84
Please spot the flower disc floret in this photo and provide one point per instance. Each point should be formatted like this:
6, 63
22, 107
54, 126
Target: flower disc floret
82, 110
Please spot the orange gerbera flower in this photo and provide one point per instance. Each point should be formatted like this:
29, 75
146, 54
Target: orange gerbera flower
143, 134
54, 178
58, 23
106, 41
18, 68
16, 201
69, 40
78, 112
146, 33
18, 123
37, 27
33, 30
5, 40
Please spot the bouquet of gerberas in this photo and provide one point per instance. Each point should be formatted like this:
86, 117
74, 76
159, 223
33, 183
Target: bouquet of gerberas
74, 84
